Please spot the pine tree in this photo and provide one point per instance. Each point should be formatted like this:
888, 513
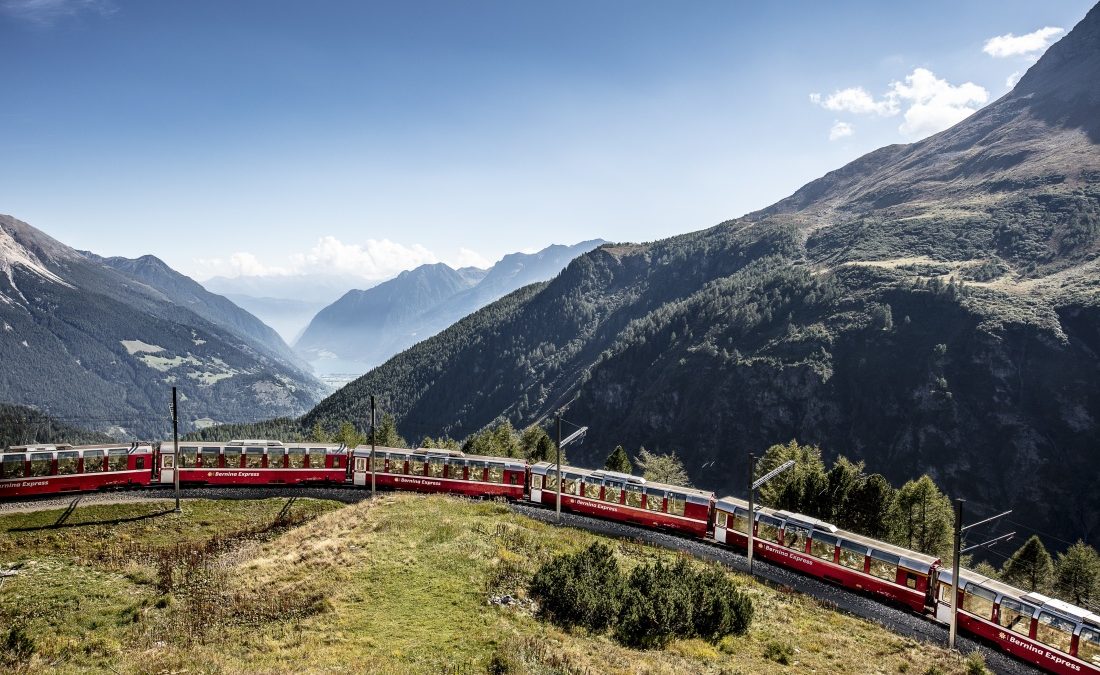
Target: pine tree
1077, 575
801, 488
868, 507
386, 434
921, 518
349, 435
1030, 567
662, 468
618, 461
318, 434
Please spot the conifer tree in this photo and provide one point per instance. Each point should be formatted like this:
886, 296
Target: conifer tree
662, 468
1077, 575
618, 461
921, 518
1030, 567
317, 434
349, 435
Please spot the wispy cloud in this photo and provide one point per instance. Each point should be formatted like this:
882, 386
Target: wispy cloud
48, 12
840, 130
1032, 44
374, 259
930, 103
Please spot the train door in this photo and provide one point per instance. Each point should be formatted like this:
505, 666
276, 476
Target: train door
360, 471
720, 518
536, 487
167, 466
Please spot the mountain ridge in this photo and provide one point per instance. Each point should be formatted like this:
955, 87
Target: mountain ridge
931, 307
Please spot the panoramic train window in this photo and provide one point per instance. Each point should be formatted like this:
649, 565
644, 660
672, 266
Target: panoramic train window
276, 458
41, 463
794, 537
550, 482
67, 462
93, 461
416, 466
1015, 616
1088, 646
822, 545
232, 457
187, 456
884, 565
397, 464
116, 460
570, 485
13, 466
1054, 631
209, 456
296, 458
496, 473
613, 492
741, 521
676, 504
655, 500
254, 458
634, 496
317, 458
978, 601
767, 528
476, 471
435, 467
852, 555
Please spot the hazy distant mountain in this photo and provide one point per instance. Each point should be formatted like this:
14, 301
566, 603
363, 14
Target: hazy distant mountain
365, 327
932, 307
286, 316
99, 342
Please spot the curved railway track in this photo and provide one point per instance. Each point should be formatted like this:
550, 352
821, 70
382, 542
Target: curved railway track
900, 621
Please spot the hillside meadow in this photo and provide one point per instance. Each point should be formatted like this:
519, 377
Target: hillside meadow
401, 584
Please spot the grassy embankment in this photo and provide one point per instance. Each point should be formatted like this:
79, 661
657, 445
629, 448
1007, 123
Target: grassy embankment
401, 585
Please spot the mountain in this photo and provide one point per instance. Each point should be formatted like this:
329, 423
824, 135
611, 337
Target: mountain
20, 425
932, 307
365, 327
218, 310
100, 342
287, 302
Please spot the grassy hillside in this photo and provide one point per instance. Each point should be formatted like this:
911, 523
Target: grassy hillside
398, 585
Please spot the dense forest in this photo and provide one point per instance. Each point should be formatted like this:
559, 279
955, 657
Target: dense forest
20, 425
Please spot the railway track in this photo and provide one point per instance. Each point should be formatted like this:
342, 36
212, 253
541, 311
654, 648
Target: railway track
900, 621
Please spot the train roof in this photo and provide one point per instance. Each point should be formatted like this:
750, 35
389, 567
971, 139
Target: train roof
55, 447
600, 474
444, 453
1065, 609
915, 559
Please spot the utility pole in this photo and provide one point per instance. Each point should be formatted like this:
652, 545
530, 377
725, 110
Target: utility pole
955, 550
372, 486
752, 510
558, 449
176, 448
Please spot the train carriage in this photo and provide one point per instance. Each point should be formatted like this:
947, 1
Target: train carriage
253, 462
51, 469
432, 470
619, 496
1054, 635
819, 549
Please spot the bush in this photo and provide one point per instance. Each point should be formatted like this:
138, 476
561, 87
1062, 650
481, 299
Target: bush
652, 605
17, 645
779, 652
975, 664
581, 589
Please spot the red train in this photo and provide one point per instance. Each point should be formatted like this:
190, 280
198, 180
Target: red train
1051, 634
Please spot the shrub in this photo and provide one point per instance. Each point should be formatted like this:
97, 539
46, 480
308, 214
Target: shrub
17, 645
581, 589
779, 652
975, 664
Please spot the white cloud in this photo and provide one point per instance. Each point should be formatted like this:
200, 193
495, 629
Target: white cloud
1004, 46
1012, 79
931, 104
374, 259
840, 130
467, 258
934, 103
855, 100
46, 12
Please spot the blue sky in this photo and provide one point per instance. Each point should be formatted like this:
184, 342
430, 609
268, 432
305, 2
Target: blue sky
264, 137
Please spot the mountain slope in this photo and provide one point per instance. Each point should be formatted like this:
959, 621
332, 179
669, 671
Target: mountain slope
364, 328
186, 292
932, 307
84, 342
